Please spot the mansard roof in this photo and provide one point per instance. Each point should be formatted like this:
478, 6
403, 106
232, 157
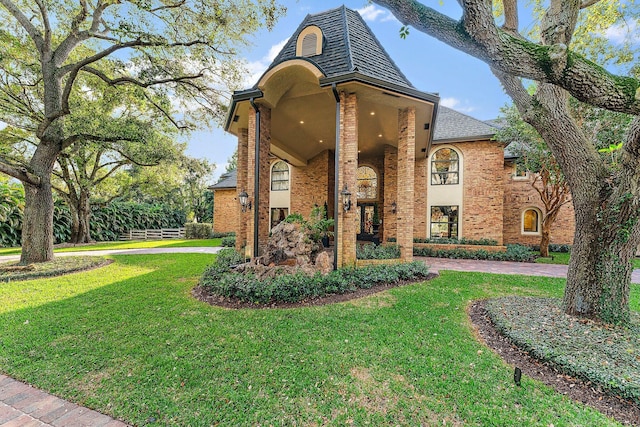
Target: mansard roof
349, 46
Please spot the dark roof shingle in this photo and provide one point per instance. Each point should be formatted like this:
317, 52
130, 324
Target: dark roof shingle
349, 46
452, 125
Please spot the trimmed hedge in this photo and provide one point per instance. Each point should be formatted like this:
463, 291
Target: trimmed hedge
373, 251
554, 247
219, 280
517, 253
444, 241
229, 241
198, 230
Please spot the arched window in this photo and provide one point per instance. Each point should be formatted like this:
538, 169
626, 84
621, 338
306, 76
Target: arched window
309, 42
280, 176
445, 167
367, 183
531, 221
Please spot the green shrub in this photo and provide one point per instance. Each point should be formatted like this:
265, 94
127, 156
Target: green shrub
219, 280
229, 241
218, 234
197, 230
554, 247
108, 222
517, 253
373, 251
11, 208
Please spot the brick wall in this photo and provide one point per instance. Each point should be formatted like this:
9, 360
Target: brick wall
241, 218
225, 210
483, 208
518, 196
390, 184
312, 185
406, 169
420, 217
347, 224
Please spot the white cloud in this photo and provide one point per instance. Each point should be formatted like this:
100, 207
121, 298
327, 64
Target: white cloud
622, 33
456, 104
257, 68
373, 13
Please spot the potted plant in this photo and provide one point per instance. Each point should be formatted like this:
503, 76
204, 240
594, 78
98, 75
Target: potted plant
319, 225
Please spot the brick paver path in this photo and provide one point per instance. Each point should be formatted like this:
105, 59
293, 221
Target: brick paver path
504, 267
24, 406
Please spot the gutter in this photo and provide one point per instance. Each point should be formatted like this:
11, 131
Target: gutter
336, 184
256, 181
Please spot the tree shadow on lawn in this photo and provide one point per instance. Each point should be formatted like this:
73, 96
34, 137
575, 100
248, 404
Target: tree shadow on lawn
138, 347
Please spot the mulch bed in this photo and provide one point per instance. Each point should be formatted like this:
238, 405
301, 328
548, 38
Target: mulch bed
621, 410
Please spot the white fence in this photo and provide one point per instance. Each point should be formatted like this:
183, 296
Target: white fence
164, 233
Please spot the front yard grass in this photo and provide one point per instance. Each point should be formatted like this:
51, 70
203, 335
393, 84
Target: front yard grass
130, 341
133, 244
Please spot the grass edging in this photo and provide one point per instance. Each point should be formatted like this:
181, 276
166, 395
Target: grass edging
57, 267
607, 356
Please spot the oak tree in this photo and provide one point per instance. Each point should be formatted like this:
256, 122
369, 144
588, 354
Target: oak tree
179, 49
565, 56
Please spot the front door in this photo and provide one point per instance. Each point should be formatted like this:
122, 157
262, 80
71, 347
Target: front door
365, 214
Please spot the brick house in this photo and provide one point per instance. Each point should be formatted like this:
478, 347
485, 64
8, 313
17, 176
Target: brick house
333, 115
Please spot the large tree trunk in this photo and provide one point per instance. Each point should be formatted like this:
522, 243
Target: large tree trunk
601, 263
37, 225
80, 218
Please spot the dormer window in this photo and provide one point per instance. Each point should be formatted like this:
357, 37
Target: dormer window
309, 42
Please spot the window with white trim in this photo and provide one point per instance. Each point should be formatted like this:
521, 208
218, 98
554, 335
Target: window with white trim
531, 221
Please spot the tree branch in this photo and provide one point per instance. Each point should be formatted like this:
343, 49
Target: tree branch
33, 32
45, 22
510, 16
131, 80
478, 36
20, 173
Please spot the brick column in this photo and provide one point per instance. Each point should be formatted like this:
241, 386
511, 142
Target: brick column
242, 217
347, 224
406, 167
263, 208
390, 192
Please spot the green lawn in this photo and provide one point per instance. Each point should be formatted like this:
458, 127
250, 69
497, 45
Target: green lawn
137, 244
129, 340
563, 258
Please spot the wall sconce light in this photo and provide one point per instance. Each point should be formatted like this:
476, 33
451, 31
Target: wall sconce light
394, 207
244, 201
346, 198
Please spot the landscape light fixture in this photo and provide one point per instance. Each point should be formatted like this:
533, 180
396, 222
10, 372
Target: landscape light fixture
244, 201
346, 198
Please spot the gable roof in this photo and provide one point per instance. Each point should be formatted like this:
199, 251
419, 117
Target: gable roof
349, 46
452, 126
227, 180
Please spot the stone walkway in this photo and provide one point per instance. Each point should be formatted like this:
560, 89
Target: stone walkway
24, 406
504, 267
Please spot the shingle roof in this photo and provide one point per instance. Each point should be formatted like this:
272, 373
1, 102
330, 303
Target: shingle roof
452, 125
349, 46
227, 180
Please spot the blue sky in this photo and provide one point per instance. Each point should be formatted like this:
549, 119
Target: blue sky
464, 83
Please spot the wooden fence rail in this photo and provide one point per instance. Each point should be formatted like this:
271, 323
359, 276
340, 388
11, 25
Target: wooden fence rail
164, 233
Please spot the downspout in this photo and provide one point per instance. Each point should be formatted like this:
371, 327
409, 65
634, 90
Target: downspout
336, 185
256, 181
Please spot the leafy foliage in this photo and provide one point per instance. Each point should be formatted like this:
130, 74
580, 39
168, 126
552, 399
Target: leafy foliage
373, 251
110, 221
11, 207
576, 347
229, 241
517, 253
220, 280
196, 230
461, 241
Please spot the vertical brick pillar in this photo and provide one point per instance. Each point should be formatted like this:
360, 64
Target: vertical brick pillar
242, 217
265, 183
406, 167
390, 192
347, 223
263, 208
